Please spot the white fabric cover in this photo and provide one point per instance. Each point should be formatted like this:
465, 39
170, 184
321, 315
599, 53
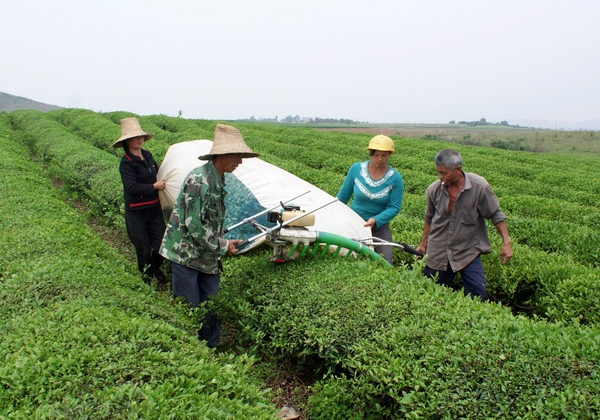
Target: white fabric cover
269, 184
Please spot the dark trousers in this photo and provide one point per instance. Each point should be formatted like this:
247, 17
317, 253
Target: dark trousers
146, 228
384, 232
197, 287
473, 277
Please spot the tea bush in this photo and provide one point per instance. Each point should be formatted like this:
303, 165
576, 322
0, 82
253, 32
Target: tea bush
536, 216
459, 359
387, 342
82, 336
392, 344
92, 174
315, 306
89, 126
533, 186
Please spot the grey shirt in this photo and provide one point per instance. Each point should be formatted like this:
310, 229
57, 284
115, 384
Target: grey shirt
457, 237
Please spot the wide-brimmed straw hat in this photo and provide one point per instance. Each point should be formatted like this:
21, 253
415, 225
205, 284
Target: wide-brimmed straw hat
228, 140
130, 128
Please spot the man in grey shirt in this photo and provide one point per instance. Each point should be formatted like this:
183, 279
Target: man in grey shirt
454, 231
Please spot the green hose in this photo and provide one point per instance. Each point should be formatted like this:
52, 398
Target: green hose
329, 239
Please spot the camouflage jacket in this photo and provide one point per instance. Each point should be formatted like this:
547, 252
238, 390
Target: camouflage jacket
193, 234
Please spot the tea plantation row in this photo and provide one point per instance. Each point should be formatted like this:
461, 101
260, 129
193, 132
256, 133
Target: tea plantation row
386, 343
552, 201
82, 337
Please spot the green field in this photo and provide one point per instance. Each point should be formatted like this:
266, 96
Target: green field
83, 337
585, 143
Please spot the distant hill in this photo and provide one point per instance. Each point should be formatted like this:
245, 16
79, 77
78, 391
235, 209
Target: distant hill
10, 103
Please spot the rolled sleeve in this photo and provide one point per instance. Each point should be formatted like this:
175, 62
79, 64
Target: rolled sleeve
498, 216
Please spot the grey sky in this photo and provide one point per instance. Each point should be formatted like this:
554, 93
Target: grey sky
376, 60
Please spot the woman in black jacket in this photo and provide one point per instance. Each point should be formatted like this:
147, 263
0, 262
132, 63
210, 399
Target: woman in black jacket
143, 215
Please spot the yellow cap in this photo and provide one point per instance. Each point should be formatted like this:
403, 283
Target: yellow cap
382, 143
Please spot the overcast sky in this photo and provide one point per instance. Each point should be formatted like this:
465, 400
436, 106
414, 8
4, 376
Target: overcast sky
373, 60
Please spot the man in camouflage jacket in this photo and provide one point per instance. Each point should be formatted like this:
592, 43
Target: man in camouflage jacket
193, 234
193, 240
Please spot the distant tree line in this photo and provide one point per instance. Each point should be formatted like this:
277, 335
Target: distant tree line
253, 119
304, 120
482, 121
332, 121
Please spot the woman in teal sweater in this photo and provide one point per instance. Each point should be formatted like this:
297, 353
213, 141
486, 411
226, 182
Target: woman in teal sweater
377, 191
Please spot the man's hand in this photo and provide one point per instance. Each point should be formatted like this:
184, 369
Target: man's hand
424, 239
231, 249
505, 253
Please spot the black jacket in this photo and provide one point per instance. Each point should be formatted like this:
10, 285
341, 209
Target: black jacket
138, 178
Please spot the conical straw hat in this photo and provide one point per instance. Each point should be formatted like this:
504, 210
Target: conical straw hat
130, 127
228, 140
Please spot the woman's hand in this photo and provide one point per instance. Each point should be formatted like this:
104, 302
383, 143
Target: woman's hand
160, 185
370, 223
